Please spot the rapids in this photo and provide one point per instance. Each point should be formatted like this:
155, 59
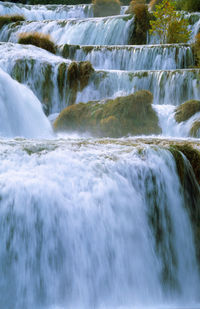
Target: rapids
91, 223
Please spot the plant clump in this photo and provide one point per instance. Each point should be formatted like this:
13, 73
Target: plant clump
38, 39
188, 5
132, 114
196, 49
102, 8
8, 19
61, 77
195, 129
139, 9
78, 75
168, 24
186, 110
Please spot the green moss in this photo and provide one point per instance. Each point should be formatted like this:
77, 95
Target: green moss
186, 110
7, 19
103, 8
195, 129
78, 75
131, 114
61, 77
47, 87
68, 51
193, 156
179, 162
38, 39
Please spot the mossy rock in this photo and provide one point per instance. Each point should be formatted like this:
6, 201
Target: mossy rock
195, 129
131, 114
78, 75
102, 8
193, 156
61, 77
187, 110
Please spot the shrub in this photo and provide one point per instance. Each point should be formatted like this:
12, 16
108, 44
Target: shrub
130, 114
169, 24
38, 39
141, 21
103, 8
196, 49
187, 110
7, 19
153, 3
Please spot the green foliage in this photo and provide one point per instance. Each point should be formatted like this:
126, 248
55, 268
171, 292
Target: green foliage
38, 39
131, 114
169, 24
103, 8
7, 19
188, 5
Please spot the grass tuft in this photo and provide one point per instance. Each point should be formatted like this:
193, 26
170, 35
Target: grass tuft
38, 39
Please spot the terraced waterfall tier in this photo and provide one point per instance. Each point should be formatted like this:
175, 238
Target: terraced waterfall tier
88, 31
129, 58
89, 223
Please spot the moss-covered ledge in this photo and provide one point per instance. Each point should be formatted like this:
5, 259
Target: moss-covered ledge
132, 114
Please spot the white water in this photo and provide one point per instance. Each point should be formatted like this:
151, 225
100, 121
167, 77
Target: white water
43, 12
85, 223
76, 227
144, 57
168, 87
91, 31
20, 111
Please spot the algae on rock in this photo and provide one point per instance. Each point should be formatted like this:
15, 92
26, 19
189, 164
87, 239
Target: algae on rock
186, 110
132, 114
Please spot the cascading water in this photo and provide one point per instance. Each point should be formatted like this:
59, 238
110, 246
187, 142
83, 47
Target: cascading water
129, 58
21, 112
94, 223
80, 229
104, 30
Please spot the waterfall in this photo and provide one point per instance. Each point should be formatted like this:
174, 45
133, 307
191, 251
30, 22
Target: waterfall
97, 228
88, 31
21, 112
168, 87
129, 58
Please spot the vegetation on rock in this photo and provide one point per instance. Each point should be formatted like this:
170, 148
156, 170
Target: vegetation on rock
139, 8
186, 110
7, 19
188, 5
38, 39
103, 8
169, 24
78, 75
131, 114
196, 49
195, 129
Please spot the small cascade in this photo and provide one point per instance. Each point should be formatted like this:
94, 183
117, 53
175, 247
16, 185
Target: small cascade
20, 111
126, 57
101, 227
43, 12
43, 72
88, 31
168, 87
